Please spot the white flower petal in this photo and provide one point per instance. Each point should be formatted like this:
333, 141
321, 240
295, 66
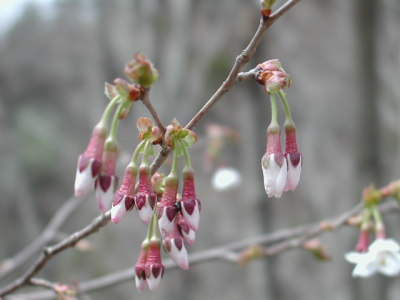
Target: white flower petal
166, 226
146, 211
274, 176
140, 283
389, 264
84, 180
153, 282
364, 269
281, 180
118, 211
104, 198
354, 257
384, 245
189, 237
193, 220
180, 257
293, 175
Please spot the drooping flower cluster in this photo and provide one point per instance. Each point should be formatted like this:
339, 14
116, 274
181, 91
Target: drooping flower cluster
383, 254
281, 170
179, 220
97, 164
145, 198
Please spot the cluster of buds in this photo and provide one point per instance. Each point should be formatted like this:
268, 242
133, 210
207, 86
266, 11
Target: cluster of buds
383, 254
97, 164
178, 219
125, 199
149, 268
272, 76
281, 170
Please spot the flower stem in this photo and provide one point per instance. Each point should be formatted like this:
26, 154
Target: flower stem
188, 164
152, 230
138, 149
174, 168
107, 111
288, 116
145, 157
114, 124
274, 110
365, 219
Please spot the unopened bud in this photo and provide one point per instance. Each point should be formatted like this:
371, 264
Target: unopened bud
141, 71
266, 6
253, 252
317, 249
272, 76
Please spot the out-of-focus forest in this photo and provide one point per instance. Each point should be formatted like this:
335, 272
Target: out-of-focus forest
344, 60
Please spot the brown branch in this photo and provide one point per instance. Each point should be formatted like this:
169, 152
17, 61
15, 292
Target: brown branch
11, 264
232, 78
240, 61
146, 101
276, 243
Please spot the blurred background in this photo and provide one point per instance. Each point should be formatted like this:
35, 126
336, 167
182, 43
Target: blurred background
344, 59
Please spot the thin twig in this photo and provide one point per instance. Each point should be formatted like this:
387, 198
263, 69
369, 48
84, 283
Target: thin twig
49, 252
62, 214
277, 243
146, 101
240, 61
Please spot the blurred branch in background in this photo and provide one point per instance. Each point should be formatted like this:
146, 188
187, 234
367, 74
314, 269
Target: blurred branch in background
271, 244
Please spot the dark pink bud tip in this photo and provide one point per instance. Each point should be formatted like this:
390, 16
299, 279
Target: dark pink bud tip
157, 270
279, 158
178, 243
129, 203
189, 205
104, 181
140, 200
96, 167
171, 213
140, 271
294, 158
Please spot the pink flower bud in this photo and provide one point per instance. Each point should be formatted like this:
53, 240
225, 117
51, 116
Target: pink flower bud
188, 234
277, 81
107, 182
363, 241
175, 247
166, 208
154, 269
89, 162
140, 268
124, 198
145, 198
274, 165
294, 159
272, 76
190, 205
